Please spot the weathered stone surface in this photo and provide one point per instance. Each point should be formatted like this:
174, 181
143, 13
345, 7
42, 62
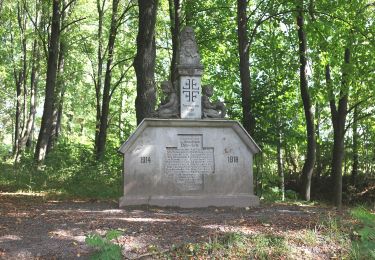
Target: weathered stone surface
169, 107
190, 94
211, 109
189, 163
190, 72
188, 56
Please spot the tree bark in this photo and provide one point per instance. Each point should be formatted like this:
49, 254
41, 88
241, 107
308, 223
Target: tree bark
280, 168
244, 65
26, 133
102, 135
308, 166
175, 16
144, 61
98, 83
355, 145
338, 117
20, 80
59, 95
318, 145
47, 118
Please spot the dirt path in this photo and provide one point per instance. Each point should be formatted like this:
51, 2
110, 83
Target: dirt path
32, 227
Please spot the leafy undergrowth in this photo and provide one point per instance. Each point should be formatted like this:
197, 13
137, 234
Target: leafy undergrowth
105, 248
363, 235
306, 244
69, 171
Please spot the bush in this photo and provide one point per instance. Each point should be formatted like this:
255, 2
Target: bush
70, 169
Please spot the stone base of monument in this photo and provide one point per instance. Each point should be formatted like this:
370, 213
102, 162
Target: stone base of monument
199, 201
189, 164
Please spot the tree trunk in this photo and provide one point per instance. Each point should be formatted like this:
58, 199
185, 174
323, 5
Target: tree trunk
355, 145
59, 95
98, 82
318, 145
280, 168
308, 166
27, 130
243, 50
174, 14
17, 124
20, 80
47, 118
102, 135
144, 61
338, 116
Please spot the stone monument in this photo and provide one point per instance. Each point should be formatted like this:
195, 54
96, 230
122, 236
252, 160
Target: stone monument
178, 158
190, 72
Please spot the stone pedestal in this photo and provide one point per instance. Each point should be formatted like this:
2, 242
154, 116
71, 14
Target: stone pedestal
189, 163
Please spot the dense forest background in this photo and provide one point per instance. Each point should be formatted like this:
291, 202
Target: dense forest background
76, 76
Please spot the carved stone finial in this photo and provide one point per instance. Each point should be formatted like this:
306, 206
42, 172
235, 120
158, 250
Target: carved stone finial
169, 107
188, 55
211, 109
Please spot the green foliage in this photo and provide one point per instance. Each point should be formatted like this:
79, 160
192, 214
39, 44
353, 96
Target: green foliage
235, 245
266, 246
363, 246
70, 169
106, 249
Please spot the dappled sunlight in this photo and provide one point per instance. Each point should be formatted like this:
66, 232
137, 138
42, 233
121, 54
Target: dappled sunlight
23, 193
85, 211
66, 235
147, 220
10, 238
230, 229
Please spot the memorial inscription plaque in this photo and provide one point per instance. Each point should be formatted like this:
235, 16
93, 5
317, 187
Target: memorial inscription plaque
188, 162
191, 107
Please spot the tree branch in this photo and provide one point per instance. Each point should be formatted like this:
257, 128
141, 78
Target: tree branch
120, 61
119, 81
67, 5
72, 22
261, 21
358, 119
359, 103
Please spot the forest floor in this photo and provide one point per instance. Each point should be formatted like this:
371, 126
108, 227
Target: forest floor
38, 227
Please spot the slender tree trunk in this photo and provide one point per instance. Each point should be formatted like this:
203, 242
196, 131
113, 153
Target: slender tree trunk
17, 124
355, 145
47, 118
318, 145
27, 130
99, 80
102, 136
189, 7
338, 116
308, 166
174, 14
243, 50
20, 80
144, 61
280, 168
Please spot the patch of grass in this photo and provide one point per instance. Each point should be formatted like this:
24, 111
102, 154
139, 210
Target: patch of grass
309, 237
233, 246
269, 247
363, 245
105, 248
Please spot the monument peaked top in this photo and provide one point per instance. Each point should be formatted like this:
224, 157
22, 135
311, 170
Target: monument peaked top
188, 55
147, 122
